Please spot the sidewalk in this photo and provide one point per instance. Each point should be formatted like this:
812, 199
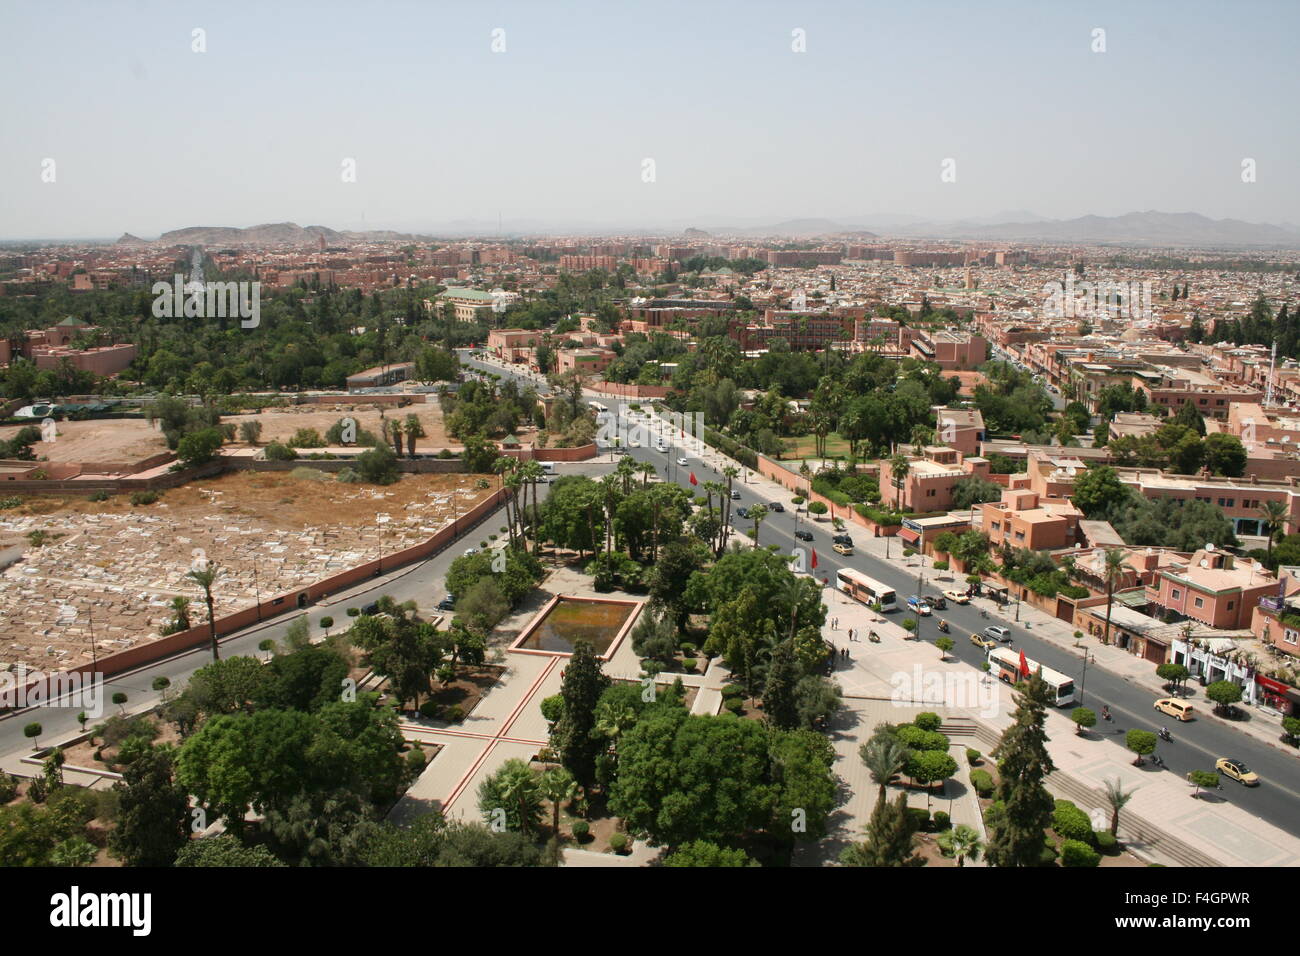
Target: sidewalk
900, 674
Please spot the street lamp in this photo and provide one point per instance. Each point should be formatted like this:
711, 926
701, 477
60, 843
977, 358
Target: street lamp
1083, 683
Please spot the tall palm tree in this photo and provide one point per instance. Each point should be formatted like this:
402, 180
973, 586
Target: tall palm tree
1112, 573
647, 469
757, 513
1273, 516
884, 758
609, 483
1118, 798
729, 472
899, 466
505, 467
962, 842
532, 473
205, 577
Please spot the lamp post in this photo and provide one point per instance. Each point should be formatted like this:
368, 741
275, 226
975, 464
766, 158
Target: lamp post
1083, 682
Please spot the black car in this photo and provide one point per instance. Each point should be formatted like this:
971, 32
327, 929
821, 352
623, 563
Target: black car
776, 506
804, 535
447, 604
371, 608
742, 512
841, 539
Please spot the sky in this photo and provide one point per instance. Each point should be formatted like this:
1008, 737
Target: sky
628, 114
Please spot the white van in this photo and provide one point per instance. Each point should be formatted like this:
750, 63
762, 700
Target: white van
548, 467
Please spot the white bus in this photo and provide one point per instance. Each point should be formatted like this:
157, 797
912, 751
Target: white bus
598, 408
867, 590
1007, 663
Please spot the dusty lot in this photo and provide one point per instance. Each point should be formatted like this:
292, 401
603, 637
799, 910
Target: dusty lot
109, 440
279, 424
116, 568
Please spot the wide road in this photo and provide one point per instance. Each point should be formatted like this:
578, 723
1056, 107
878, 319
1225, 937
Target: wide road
1196, 745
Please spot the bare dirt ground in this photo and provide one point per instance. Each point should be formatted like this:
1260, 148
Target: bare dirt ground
279, 424
108, 440
115, 568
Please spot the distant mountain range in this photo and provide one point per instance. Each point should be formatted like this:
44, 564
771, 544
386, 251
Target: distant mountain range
1151, 228
1134, 228
275, 233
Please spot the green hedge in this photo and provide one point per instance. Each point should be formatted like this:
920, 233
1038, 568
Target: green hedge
982, 781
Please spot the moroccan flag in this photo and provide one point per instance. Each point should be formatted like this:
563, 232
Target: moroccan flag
693, 481
1024, 664
814, 561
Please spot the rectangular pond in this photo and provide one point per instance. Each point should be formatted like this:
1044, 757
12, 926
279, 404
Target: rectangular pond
566, 620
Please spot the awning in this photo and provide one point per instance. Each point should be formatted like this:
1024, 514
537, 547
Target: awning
908, 535
1268, 683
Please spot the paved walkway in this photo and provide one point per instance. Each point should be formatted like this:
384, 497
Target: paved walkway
901, 673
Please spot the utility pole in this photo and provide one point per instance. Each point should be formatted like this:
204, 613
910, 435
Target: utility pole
1083, 683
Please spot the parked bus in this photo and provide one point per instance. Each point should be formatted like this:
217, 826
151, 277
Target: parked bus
1007, 663
867, 590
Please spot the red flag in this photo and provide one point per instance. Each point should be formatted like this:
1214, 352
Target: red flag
1024, 664
693, 481
814, 563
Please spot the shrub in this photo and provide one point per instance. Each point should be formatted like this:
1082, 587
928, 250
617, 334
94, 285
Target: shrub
1047, 856
353, 611
689, 663
920, 818
430, 710
454, 714
618, 842
1078, 853
982, 781
909, 625
1071, 822
347, 476
941, 565
277, 451
8, 787
972, 757
732, 690
908, 552
928, 721
144, 497
581, 830
734, 705
553, 707
99, 496
1106, 842
308, 474
941, 820
687, 648
327, 622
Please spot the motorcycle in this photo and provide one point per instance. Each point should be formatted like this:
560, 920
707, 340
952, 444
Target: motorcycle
1155, 759
943, 626
1165, 735
984, 614
873, 637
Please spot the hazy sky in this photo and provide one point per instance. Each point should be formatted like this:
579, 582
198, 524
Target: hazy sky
147, 135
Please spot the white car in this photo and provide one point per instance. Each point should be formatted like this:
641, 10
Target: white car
661, 448
681, 461
470, 551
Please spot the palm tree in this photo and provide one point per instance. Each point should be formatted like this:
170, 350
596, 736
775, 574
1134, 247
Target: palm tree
557, 785
532, 472
729, 472
181, 610
505, 467
884, 758
962, 842
1112, 573
1273, 516
899, 466
647, 469
205, 578
758, 513
1118, 798
609, 483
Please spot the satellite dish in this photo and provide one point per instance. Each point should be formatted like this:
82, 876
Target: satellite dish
1204, 563
1209, 546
